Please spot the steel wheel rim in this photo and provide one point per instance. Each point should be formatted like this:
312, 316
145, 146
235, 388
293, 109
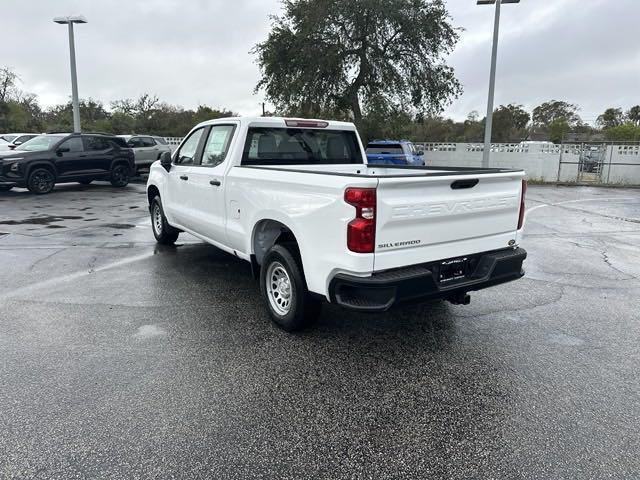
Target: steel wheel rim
157, 219
279, 289
42, 181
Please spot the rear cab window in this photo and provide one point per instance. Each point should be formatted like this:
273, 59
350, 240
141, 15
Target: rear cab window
300, 146
385, 149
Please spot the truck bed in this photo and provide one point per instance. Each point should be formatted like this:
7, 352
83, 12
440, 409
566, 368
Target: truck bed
384, 171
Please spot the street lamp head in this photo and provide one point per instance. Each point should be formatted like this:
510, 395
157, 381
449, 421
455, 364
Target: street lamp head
492, 2
70, 19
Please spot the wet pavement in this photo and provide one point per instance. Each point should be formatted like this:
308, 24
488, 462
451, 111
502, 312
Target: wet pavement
121, 359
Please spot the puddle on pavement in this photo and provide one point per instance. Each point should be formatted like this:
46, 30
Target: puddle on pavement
149, 331
119, 226
565, 340
40, 220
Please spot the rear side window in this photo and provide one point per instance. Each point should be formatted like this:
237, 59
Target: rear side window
135, 142
94, 144
391, 148
217, 146
299, 146
161, 141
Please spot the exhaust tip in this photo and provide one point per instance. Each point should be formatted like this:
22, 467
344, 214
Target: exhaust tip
460, 299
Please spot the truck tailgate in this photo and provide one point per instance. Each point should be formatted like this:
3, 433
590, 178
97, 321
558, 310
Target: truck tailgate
424, 219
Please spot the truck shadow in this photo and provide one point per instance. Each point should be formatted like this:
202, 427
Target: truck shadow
220, 277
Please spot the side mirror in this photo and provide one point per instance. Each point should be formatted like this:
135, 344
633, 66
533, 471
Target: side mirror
11, 146
62, 150
420, 153
131, 145
165, 160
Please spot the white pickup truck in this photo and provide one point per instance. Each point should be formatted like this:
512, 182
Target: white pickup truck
297, 199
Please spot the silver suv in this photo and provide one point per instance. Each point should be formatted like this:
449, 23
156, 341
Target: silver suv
147, 148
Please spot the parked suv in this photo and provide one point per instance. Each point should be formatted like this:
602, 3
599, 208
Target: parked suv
147, 148
391, 152
45, 160
12, 140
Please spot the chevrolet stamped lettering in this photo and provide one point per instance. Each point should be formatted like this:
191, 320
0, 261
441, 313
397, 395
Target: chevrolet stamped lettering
454, 208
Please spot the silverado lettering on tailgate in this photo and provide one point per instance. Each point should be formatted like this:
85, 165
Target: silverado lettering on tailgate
439, 209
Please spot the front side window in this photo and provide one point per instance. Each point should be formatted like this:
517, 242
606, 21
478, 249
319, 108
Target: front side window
39, 143
148, 142
22, 139
189, 148
74, 144
135, 142
299, 146
217, 146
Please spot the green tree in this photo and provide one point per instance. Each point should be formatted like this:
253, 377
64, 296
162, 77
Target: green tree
510, 123
558, 130
612, 117
634, 115
627, 132
547, 113
353, 57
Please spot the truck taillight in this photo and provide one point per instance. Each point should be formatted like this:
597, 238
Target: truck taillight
361, 232
522, 205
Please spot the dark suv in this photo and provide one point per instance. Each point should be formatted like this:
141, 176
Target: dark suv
45, 160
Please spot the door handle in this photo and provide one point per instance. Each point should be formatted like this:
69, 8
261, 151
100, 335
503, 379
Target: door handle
184, 177
215, 183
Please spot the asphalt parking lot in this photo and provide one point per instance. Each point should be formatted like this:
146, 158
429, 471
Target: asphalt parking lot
121, 359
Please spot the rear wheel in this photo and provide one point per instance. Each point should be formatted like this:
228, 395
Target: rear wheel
283, 286
41, 181
164, 233
120, 175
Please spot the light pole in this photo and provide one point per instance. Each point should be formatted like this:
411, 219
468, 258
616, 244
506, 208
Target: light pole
492, 78
74, 76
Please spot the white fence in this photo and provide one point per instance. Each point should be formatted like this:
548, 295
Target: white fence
545, 162
582, 163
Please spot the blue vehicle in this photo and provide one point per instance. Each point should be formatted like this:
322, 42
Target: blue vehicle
394, 152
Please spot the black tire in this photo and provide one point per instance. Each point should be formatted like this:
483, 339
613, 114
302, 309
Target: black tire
5, 188
85, 182
290, 304
41, 181
165, 234
120, 174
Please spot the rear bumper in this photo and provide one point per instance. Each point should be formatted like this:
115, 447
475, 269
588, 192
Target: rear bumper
418, 283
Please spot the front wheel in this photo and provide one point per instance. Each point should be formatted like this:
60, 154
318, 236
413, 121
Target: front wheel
41, 181
120, 175
164, 233
284, 288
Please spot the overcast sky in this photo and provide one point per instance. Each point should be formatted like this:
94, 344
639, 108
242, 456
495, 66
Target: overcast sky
196, 52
